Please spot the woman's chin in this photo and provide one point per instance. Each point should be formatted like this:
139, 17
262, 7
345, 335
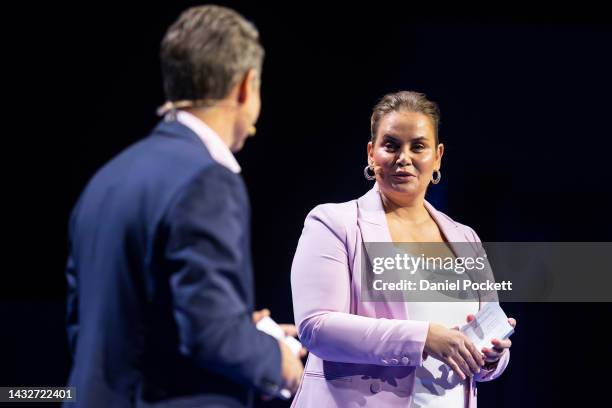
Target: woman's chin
405, 189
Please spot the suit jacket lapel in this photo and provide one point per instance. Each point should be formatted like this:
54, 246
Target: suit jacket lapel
373, 226
371, 217
373, 223
449, 228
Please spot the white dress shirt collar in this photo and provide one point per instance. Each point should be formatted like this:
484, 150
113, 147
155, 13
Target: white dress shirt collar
216, 147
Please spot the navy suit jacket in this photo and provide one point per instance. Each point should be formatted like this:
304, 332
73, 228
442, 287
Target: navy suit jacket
160, 286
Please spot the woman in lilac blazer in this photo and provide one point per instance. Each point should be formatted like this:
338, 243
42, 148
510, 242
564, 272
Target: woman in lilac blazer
385, 354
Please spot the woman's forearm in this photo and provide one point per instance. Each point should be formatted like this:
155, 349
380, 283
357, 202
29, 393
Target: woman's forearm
344, 337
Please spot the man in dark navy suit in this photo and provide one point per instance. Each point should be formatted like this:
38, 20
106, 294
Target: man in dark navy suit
160, 302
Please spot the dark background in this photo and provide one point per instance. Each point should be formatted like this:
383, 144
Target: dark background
525, 101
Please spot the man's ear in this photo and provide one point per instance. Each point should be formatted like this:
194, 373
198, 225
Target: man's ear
245, 86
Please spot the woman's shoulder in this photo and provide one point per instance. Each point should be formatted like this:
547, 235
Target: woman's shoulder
335, 213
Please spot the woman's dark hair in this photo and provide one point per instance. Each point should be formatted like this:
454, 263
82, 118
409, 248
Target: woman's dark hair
408, 101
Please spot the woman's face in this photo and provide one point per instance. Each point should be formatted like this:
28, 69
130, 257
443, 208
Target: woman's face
405, 154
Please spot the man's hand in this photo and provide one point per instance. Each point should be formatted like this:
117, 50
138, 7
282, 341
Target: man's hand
260, 314
288, 329
291, 368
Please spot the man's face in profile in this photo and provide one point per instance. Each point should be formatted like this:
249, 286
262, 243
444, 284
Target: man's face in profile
249, 111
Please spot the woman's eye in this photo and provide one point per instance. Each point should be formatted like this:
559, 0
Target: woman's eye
389, 146
418, 146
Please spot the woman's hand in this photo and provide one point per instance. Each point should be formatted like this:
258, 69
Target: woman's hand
493, 354
454, 349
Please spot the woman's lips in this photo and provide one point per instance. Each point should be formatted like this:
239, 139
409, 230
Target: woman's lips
403, 176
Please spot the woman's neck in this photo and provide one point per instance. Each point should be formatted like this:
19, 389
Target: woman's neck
408, 210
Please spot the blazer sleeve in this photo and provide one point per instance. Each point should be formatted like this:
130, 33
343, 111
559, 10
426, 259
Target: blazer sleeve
207, 227
321, 288
502, 363
488, 375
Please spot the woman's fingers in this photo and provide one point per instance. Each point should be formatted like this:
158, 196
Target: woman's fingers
469, 360
500, 345
476, 355
455, 367
491, 355
460, 360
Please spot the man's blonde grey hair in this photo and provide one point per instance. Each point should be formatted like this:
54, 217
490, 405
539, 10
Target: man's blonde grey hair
206, 51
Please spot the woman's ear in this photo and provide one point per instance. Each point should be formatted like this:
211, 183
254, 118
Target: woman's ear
370, 153
439, 154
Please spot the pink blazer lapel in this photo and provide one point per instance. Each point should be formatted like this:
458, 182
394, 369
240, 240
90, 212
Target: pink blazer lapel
457, 238
449, 228
371, 217
372, 223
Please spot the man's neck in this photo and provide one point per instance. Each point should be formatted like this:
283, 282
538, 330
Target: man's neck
219, 119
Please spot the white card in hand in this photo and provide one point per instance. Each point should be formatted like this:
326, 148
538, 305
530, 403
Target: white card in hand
269, 326
489, 323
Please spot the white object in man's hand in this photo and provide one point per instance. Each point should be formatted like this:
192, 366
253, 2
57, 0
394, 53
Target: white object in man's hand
269, 326
292, 366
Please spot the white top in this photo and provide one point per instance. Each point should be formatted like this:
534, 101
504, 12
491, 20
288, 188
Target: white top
216, 147
436, 384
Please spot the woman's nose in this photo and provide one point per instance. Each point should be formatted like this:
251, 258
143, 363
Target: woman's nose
403, 159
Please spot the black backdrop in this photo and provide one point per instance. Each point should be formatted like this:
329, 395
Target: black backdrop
525, 100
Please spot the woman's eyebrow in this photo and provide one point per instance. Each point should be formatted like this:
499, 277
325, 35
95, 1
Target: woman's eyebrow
399, 139
391, 136
418, 139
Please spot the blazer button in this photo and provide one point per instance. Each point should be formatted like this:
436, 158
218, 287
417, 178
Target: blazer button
375, 387
394, 361
405, 360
